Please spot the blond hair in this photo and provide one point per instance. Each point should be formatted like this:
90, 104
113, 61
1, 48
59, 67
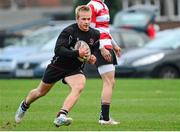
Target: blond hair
82, 8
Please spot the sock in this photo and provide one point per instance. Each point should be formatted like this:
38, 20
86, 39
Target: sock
62, 111
24, 106
105, 111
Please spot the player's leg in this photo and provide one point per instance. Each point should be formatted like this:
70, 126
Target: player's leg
76, 83
51, 76
40, 91
108, 83
33, 95
107, 73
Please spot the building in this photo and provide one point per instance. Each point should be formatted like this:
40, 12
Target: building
168, 15
15, 13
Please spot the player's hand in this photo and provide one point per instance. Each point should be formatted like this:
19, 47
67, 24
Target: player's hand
106, 54
83, 52
117, 50
92, 59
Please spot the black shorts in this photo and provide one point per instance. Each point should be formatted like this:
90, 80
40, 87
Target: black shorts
53, 74
101, 61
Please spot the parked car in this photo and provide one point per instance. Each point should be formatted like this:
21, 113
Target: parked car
160, 58
139, 17
126, 39
9, 35
34, 64
33, 43
7, 39
31, 60
38, 37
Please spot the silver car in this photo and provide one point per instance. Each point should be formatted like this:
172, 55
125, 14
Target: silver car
30, 44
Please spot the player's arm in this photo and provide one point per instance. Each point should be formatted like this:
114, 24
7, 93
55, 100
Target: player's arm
62, 44
81, 52
63, 51
116, 48
95, 47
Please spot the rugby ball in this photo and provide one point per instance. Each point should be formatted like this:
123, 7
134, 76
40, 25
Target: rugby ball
79, 44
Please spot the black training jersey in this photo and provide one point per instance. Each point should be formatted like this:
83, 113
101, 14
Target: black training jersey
65, 56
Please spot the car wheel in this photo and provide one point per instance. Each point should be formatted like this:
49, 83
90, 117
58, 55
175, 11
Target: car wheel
168, 72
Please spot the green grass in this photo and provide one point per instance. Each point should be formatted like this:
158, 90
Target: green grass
139, 104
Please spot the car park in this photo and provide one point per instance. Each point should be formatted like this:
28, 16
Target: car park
160, 58
31, 60
35, 63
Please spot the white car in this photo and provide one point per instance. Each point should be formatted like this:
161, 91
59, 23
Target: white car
33, 43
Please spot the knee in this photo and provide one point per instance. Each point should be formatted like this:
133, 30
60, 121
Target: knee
79, 88
113, 82
110, 82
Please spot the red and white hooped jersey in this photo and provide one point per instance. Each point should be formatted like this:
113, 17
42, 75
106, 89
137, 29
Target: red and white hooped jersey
100, 21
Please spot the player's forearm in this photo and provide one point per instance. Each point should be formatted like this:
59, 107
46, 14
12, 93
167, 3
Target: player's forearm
113, 41
63, 51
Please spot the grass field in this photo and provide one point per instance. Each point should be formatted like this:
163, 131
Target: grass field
139, 104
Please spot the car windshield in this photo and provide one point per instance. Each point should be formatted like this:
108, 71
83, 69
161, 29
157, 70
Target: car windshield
39, 38
137, 19
170, 42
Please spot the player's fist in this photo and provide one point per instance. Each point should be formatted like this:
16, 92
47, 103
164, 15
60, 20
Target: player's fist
92, 59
